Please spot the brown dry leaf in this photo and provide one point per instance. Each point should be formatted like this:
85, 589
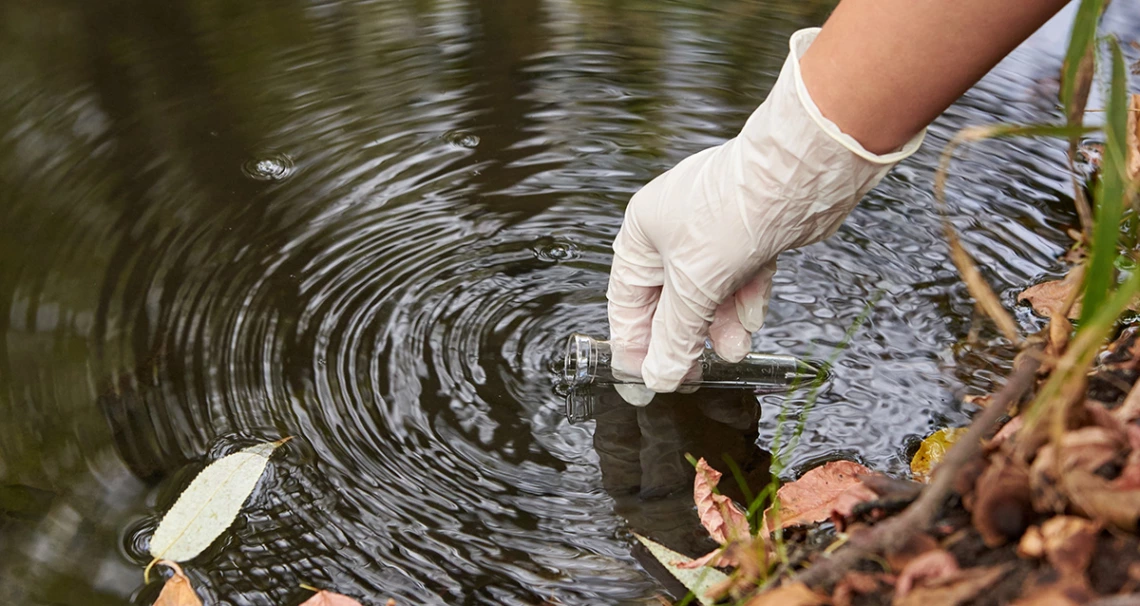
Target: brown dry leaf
960, 588
1098, 499
1002, 503
1069, 543
979, 401
932, 450
1134, 138
930, 566
833, 486
858, 584
177, 591
719, 515
793, 594
1082, 450
1006, 432
325, 597
1048, 298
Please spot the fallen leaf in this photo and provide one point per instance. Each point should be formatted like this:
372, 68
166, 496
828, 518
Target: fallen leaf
210, 504
700, 582
1048, 298
953, 590
325, 597
177, 590
1083, 450
932, 565
1069, 542
792, 594
931, 451
833, 486
859, 584
1001, 506
719, 515
752, 561
1006, 432
1096, 498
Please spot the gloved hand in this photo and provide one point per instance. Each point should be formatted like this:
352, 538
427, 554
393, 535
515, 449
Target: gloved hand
697, 250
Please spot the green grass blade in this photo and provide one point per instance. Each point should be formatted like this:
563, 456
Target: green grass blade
1101, 274
1081, 40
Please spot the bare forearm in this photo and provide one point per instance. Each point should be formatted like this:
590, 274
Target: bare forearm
884, 69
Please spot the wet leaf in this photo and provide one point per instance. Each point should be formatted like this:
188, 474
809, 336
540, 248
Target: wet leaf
210, 503
700, 582
1049, 298
960, 588
833, 486
177, 590
932, 565
793, 594
328, 598
720, 516
931, 451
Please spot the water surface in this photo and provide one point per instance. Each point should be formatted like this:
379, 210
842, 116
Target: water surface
371, 224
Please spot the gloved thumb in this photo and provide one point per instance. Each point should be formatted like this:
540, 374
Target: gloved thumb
679, 328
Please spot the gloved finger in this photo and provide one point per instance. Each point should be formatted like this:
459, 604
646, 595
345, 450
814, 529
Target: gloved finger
634, 289
752, 298
679, 327
730, 340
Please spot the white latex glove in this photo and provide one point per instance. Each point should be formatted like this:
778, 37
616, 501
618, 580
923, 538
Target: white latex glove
697, 250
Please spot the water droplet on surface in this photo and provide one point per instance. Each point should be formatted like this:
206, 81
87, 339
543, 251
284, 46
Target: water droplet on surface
269, 167
462, 139
554, 250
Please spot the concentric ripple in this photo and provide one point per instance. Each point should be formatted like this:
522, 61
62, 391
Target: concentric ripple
371, 226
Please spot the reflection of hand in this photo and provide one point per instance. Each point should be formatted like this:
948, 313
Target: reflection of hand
697, 250
642, 451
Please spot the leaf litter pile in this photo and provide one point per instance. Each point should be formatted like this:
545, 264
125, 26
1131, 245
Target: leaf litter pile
1026, 520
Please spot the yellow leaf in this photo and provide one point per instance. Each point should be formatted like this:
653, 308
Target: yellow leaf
177, 591
932, 450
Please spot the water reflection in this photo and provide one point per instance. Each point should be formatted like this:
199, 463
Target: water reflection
371, 225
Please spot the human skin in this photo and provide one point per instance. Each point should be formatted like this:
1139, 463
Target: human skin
882, 70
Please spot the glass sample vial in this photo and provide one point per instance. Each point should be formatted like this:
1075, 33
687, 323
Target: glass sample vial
590, 361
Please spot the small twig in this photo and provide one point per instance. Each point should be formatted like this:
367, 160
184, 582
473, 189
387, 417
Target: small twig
893, 533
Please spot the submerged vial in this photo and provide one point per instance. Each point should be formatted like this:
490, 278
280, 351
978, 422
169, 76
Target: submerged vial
589, 361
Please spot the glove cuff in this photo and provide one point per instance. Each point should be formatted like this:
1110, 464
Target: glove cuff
798, 45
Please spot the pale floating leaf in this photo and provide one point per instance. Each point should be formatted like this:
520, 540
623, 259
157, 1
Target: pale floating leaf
325, 597
177, 590
697, 581
210, 504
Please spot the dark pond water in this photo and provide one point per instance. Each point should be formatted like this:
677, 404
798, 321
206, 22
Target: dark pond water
370, 225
